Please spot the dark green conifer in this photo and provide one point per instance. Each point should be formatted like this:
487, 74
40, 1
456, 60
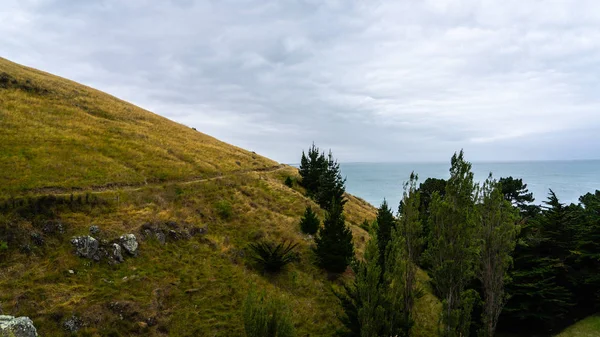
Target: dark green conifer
385, 224
331, 184
334, 248
309, 223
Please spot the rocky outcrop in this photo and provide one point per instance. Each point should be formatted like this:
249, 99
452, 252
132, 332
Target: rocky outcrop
86, 247
11, 326
129, 243
170, 231
94, 249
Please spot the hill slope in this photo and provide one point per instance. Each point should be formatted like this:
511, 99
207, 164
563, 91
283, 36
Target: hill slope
57, 133
135, 172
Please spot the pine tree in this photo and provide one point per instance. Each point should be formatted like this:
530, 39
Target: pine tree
452, 252
498, 236
385, 223
311, 169
410, 228
540, 297
309, 223
587, 284
331, 185
516, 192
369, 292
426, 191
334, 248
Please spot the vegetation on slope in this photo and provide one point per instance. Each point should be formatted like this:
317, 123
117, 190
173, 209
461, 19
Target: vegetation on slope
62, 135
145, 170
588, 327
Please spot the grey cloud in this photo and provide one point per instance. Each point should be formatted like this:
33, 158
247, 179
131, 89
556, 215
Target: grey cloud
374, 81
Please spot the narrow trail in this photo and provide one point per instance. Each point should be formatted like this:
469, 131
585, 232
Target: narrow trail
62, 191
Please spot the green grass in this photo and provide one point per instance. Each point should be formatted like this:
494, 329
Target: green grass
588, 327
138, 168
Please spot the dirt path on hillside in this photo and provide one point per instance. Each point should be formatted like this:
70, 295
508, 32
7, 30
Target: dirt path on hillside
62, 191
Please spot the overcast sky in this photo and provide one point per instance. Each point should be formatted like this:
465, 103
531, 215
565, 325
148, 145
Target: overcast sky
410, 80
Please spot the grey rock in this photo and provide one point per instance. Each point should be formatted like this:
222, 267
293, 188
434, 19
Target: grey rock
129, 243
87, 247
52, 227
11, 326
160, 236
94, 230
116, 253
72, 324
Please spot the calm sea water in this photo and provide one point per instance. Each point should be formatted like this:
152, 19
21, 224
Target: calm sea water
568, 179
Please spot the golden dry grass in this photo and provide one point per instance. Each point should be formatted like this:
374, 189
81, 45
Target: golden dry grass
57, 135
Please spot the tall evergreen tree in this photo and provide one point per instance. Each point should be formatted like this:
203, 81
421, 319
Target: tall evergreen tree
498, 236
331, 185
540, 297
587, 283
334, 248
452, 251
369, 292
312, 166
403, 252
309, 223
385, 223
516, 192
426, 191
411, 228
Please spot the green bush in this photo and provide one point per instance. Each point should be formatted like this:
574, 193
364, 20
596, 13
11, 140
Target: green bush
224, 209
289, 182
266, 317
273, 257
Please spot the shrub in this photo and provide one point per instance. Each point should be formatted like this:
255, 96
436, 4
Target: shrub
223, 208
289, 182
366, 226
273, 257
309, 223
266, 317
3, 246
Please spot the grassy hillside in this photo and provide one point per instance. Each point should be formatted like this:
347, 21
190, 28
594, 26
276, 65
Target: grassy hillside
589, 327
131, 169
60, 134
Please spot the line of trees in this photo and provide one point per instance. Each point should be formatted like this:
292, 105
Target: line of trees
496, 260
322, 179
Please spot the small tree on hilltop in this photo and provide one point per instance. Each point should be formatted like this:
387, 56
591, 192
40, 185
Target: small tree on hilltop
311, 169
334, 248
331, 184
309, 223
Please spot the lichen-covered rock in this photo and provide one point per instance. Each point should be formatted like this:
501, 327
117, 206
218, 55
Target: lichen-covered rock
129, 243
72, 324
11, 326
116, 254
87, 247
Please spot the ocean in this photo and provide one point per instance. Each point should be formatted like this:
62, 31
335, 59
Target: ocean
568, 179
